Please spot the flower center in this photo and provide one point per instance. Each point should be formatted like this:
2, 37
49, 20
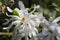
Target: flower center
24, 20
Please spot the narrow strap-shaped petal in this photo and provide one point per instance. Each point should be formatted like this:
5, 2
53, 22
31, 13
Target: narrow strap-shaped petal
10, 10
21, 5
46, 24
8, 21
43, 34
13, 23
12, 15
33, 9
57, 31
56, 20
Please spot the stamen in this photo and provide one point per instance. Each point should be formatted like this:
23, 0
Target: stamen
24, 20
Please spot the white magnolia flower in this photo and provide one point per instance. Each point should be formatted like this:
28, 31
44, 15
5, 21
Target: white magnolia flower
50, 25
53, 26
25, 22
44, 35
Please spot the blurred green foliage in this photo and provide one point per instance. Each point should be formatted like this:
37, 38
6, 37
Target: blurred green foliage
2, 1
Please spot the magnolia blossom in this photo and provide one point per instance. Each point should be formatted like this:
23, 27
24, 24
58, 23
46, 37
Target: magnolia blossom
54, 23
50, 25
43, 35
53, 26
25, 22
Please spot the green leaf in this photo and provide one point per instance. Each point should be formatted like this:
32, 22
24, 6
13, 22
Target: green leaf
2, 1
46, 11
41, 25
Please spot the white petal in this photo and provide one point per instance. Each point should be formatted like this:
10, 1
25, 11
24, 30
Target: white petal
52, 27
21, 13
33, 33
38, 6
4, 28
30, 35
35, 21
25, 29
33, 9
21, 5
40, 16
35, 29
58, 38
32, 22
56, 20
10, 10
58, 30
